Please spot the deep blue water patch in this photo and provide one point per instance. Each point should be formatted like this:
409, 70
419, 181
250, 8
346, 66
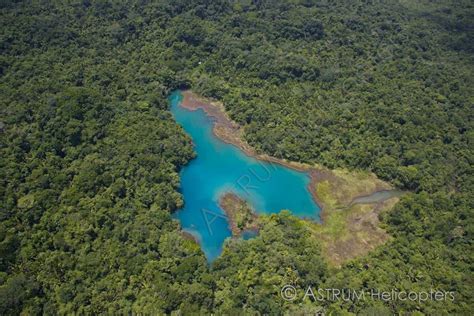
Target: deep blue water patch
220, 168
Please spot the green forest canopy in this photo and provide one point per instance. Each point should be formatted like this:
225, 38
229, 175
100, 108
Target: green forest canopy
90, 154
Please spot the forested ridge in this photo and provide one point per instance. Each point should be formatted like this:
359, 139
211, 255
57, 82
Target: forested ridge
90, 154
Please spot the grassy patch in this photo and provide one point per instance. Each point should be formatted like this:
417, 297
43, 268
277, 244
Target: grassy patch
348, 231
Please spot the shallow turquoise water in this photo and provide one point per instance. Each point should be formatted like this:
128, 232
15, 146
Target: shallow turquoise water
221, 167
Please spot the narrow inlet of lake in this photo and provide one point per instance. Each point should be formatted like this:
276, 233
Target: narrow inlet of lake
220, 168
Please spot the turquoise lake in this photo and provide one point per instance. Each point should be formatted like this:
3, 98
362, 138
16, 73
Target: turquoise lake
220, 167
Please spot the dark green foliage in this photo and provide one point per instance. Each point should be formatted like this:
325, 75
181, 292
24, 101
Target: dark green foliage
89, 154
252, 274
431, 251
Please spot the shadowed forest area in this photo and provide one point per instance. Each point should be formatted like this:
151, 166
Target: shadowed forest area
90, 154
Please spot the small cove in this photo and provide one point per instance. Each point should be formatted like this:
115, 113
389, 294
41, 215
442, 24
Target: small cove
220, 167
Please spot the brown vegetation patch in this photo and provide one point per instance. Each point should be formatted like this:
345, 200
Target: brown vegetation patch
240, 215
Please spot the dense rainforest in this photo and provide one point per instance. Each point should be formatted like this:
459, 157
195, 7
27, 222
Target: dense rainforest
90, 154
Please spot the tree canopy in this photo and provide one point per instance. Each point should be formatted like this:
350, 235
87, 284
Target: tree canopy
90, 154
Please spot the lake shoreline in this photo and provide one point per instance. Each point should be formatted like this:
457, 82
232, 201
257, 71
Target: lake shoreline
346, 229
189, 236
231, 132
